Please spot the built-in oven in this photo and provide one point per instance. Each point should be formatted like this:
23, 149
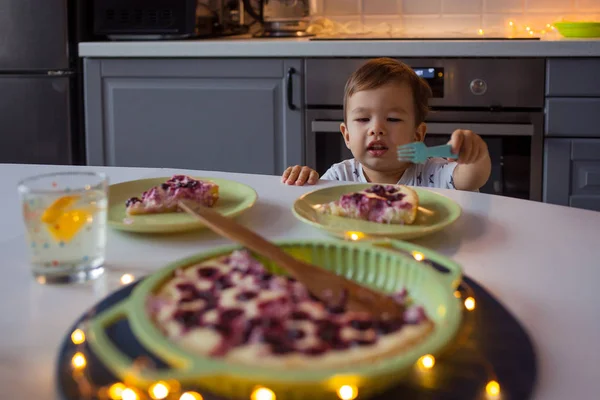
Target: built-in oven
502, 100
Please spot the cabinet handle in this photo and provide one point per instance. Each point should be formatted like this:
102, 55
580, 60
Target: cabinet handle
290, 91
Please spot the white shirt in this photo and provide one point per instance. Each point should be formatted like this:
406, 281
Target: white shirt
435, 172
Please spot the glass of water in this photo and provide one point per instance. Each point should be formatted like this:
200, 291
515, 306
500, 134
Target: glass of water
65, 219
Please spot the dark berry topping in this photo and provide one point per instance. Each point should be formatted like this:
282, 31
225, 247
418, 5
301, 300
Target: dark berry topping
223, 283
296, 334
300, 315
327, 330
361, 325
132, 201
245, 296
389, 326
315, 351
189, 319
207, 272
165, 186
231, 314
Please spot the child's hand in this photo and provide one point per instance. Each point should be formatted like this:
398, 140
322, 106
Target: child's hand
300, 175
469, 146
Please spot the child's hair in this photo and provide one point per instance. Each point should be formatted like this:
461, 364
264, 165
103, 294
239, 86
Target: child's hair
382, 71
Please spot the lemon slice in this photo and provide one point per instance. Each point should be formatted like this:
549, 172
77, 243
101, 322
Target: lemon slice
66, 226
62, 223
56, 209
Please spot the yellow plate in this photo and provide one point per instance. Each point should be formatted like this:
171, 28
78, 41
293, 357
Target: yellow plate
434, 214
234, 198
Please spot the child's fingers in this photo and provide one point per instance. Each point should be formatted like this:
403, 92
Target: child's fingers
286, 174
466, 151
293, 175
456, 141
314, 177
304, 173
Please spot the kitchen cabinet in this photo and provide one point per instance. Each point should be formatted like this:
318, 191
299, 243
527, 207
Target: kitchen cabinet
572, 144
234, 115
572, 173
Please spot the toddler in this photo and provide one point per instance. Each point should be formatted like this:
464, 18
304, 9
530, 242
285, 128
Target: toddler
385, 105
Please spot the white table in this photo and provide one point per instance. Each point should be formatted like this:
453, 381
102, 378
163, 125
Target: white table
541, 261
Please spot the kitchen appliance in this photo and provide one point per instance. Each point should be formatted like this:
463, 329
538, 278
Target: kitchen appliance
167, 19
281, 18
500, 99
40, 81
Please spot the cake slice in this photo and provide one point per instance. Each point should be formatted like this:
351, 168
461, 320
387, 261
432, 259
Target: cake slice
164, 198
390, 204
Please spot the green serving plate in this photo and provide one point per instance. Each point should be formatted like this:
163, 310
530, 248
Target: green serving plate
578, 29
389, 268
234, 198
435, 213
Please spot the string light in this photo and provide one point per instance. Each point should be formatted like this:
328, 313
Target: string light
355, 235
262, 393
347, 392
159, 390
457, 294
127, 279
418, 256
115, 391
78, 361
191, 396
470, 303
427, 361
78, 336
129, 394
480, 31
492, 389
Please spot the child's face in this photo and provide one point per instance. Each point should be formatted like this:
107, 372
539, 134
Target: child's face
379, 120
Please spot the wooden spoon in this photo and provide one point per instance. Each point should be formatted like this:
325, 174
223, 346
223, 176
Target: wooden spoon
325, 285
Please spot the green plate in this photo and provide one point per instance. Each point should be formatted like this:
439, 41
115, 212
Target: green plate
388, 267
435, 213
578, 29
234, 198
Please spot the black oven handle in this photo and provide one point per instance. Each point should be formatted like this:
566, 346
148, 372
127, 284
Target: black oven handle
445, 128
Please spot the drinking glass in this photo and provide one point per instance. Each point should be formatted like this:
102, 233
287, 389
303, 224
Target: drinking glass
65, 220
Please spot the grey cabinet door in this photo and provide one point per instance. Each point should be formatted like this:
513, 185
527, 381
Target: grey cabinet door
572, 173
215, 115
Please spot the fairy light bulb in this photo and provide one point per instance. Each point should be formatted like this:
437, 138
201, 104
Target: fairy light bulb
262, 393
129, 394
470, 303
418, 256
115, 391
347, 392
480, 31
191, 396
159, 390
78, 361
492, 389
78, 336
427, 361
127, 279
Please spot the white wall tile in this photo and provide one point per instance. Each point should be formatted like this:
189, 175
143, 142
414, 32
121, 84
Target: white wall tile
460, 23
381, 7
461, 6
421, 6
549, 5
503, 6
341, 7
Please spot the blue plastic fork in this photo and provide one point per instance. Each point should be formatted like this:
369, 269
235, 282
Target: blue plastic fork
418, 152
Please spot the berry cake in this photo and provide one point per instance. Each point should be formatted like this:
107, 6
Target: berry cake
232, 308
165, 197
391, 204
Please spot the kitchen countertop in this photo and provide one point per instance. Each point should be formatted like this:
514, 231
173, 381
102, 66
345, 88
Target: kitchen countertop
539, 260
303, 47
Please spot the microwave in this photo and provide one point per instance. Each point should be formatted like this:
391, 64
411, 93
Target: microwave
152, 19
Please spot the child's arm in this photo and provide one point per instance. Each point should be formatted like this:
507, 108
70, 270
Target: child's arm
474, 164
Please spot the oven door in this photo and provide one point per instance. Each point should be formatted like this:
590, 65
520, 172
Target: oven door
514, 142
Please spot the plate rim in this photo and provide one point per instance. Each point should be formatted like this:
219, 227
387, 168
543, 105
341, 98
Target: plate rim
404, 235
184, 227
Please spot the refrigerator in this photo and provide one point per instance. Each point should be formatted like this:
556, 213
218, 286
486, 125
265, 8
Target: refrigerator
40, 81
